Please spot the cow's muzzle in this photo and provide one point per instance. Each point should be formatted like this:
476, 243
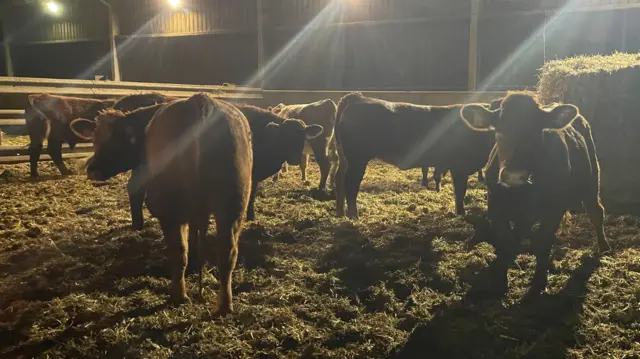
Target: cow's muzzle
513, 178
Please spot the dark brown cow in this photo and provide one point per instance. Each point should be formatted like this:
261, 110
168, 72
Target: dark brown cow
199, 161
439, 173
407, 136
276, 141
321, 113
48, 118
544, 162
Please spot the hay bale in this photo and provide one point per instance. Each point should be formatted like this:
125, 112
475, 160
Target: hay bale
607, 91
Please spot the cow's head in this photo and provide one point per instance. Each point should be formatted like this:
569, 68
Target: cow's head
518, 124
115, 144
289, 136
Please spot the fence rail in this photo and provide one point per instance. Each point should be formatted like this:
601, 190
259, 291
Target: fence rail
14, 92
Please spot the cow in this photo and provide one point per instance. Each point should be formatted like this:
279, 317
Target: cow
48, 118
276, 141
543, 163
439, 173
197, 161
321, 113
407, 136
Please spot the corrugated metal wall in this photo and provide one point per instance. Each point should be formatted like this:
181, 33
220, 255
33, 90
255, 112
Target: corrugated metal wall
199, 16
381, 44
80, 20
206, 59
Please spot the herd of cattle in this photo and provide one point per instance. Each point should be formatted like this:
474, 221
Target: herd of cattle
195, 157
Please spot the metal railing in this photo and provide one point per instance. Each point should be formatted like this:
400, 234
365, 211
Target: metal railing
14, 90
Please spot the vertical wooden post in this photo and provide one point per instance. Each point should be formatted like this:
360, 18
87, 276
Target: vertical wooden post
473, 45
113, 32
261, 54
6, 44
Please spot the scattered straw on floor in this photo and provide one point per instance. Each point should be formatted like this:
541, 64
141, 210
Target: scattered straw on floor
76, 282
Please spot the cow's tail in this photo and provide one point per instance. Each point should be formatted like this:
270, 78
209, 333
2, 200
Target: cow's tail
341, 163
205, 111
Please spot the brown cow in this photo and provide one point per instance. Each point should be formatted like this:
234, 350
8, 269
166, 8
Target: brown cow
276, 141
199, 163
544, 162
438, 173
48, 118
407, 136
321, 113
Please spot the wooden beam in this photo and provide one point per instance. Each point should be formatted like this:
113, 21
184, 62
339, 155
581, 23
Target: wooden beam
11, 160
113, 32
473, 45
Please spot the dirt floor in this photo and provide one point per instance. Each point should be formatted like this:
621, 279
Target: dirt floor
75, 282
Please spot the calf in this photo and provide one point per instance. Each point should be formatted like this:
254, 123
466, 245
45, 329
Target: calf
119, 146
199, 158
438, 173
407, 136
543, 163
276, 141
48, 117
321, 113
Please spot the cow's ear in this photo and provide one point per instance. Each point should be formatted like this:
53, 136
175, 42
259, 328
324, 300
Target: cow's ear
561, 117
478, 117
312, 131
83, 128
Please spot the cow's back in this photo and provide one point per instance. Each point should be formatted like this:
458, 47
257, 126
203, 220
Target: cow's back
192, 146
403, 134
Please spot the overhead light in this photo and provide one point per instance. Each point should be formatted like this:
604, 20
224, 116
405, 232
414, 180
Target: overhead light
174, 3
54, 7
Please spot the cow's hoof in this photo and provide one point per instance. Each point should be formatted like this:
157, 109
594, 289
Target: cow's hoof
137, 226
604, 248
179, 300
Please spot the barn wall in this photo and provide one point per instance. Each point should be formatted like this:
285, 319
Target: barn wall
206, 59
80, 60
373, 44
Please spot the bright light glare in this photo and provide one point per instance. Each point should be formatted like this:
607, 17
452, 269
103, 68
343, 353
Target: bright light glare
54, 7
174, 3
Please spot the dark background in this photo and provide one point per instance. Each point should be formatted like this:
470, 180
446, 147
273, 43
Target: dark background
372, 44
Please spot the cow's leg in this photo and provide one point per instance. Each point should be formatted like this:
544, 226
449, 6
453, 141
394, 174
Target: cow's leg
425, 176
251, 209
542, 248
480, 176
352, 180
137, 194
175, 235
35, 149
437, 177
332, 174
460, 190
227, 255
197, 236
340, 186
595, 211
319, 149
55, 151
303, 166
